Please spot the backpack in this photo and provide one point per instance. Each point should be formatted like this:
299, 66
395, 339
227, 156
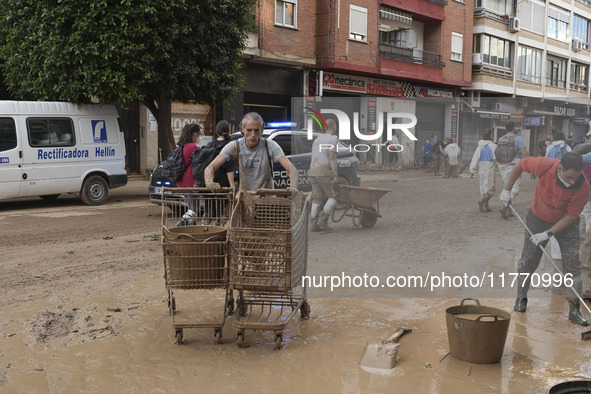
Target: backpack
200, 159
557, 151
174, 166
506, 150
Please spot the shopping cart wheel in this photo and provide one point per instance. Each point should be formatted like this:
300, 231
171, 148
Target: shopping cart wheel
240, 339
179, 336
305, 310
278, 340
218, 336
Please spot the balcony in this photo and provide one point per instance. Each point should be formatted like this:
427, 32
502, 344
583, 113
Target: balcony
411, 55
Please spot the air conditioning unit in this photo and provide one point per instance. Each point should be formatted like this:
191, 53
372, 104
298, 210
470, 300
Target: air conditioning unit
514, 24
499, 107
577, 45
476, 58
475, 99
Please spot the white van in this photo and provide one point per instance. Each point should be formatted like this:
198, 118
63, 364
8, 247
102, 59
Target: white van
50, 148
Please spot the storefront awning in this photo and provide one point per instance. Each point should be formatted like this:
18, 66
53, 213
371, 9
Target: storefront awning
395, 15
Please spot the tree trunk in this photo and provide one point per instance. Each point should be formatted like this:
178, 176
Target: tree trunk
161, 109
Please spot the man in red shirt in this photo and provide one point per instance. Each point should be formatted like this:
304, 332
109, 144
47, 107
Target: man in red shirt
560, 196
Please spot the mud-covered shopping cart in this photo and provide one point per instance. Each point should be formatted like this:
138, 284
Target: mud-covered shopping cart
268, 239
359, 203
195, 257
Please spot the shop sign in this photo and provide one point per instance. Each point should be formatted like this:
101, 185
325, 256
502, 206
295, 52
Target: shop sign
184, 113
564, 111
382, 87
493, 115
581, 119
534, 121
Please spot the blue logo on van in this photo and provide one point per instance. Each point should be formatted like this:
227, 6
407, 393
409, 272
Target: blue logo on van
4, 160
99, 130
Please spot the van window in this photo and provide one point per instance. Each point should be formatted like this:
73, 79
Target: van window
7, 134
47, 132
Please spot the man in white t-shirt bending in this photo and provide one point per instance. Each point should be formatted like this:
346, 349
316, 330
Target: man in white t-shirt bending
324, 177
255, 158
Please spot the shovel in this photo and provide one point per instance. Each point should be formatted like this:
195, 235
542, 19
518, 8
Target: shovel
383, 355
584, 335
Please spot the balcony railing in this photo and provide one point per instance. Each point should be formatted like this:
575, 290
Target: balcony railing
492, 70
411, 55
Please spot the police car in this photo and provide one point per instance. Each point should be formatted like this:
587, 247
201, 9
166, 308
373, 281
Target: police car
297, 147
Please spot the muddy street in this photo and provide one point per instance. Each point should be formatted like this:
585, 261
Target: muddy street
85, 305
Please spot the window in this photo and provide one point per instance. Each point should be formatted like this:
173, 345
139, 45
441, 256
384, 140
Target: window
556, 72
557, 25
358, 23
495, 51
501, 7
531, 15
285, 13
457, 45
579, 76
50, 132
7, 134
284, 142
529, 65
581, 30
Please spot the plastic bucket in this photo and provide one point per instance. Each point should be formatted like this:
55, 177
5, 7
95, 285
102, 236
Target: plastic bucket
476, 333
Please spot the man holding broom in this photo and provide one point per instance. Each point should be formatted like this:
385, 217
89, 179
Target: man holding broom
561, 193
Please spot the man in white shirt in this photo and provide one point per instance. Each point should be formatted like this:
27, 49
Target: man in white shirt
324, 177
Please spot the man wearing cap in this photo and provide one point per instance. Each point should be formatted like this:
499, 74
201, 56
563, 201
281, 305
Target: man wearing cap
561, 193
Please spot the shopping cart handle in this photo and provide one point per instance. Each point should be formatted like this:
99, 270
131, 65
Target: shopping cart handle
271, 192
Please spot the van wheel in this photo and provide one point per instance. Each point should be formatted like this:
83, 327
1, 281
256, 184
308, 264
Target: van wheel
344, 180
50, 197
94, 190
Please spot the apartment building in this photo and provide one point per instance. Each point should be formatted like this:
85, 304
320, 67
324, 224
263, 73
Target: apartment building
531, 65
361, 56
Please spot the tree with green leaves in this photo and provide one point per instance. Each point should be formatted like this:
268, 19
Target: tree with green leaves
152, 51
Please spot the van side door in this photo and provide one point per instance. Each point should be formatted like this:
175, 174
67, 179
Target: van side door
11, 159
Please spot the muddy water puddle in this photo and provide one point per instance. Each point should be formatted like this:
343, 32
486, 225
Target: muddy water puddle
123, 341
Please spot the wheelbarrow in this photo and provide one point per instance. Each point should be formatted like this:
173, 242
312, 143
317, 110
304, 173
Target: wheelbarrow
358, 203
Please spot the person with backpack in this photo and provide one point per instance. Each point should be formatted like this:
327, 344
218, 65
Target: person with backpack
188, 141
510, 148
255, 157
484, 160
561, 193
224, 175
558, 147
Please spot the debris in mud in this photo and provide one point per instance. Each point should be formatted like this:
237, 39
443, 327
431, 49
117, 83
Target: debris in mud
59, 328
108, 237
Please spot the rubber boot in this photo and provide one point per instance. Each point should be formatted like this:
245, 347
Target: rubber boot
521, 300
574, 313
520, 304
486, 207
323, 221
504, 210
481, 203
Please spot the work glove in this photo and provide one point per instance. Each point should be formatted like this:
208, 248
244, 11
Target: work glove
506, 197
538, 238
214, 187
293, 190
